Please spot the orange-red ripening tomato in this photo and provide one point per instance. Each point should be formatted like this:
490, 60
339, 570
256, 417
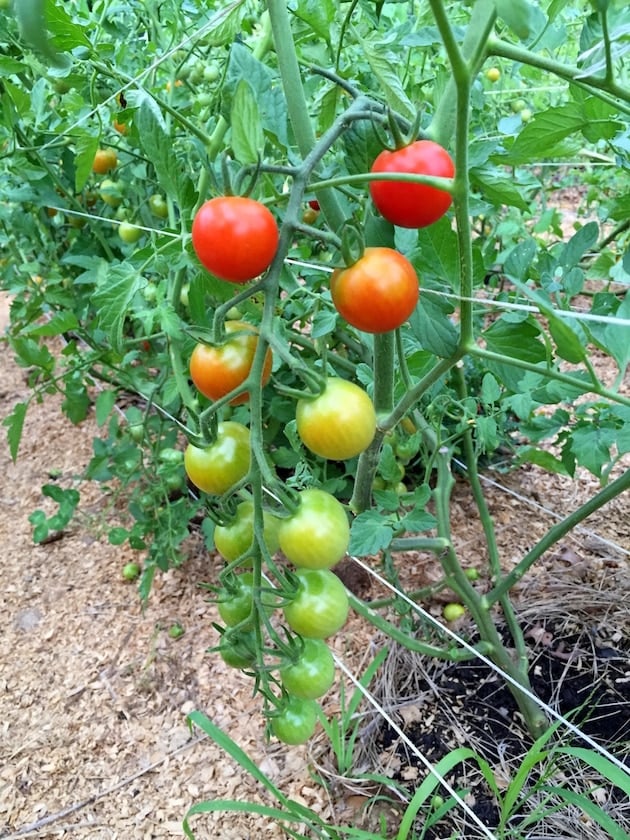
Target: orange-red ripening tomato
235, 237
104, 161
216, 371
378, 292
412, 205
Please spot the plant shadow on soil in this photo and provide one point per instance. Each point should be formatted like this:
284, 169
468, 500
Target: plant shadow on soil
581, 675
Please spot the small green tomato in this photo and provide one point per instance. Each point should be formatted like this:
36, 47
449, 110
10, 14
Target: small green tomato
453, 611
131, 571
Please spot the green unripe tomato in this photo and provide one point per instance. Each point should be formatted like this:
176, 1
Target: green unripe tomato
129, 233
472, 574
453, 611
158, 206
518, 105
211, 72
493, 74
131, 571
526, 115
110, 192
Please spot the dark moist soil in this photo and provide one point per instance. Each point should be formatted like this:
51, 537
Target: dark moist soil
582, 675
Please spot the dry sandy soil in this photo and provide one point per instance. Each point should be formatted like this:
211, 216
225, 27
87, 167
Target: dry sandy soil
94, 693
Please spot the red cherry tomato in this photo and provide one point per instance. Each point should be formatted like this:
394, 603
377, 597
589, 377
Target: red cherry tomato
412, 205
235, 237
218, 370
378, 292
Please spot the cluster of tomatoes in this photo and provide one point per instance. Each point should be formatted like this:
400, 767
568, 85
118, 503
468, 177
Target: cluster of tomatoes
236, 238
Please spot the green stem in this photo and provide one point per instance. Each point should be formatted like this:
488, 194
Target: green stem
296, 100
611, 491
487, 524
598, 86
457, 580
482, 20
567, 379
398, 635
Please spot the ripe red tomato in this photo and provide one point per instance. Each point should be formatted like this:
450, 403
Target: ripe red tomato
378, 292
339, 423
235, 539
221, 465
218, 370
320, 606
317, 535
312, 674
104, 161
412, 205
235, 237
295, 722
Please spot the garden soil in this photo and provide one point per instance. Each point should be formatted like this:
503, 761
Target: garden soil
94, 693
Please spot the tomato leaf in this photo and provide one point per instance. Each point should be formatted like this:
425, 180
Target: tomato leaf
432, 327
157, 145
370, 533
518, 16
318, 14
112, 298
14, 423
31, 17
104, 403
496, 189
386, 73
222, 27
86, 147
60, 323
247, 134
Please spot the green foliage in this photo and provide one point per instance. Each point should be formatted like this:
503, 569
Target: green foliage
288, 104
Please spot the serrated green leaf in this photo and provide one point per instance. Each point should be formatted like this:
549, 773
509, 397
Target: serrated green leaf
86, 147
112, 298
318, 14
417, 521
10, 66
242, 65
222, 28
370, 533
542, 458
497, 189
568, 344
518, 16
432, 327
157, 145
386, 72
104, 403
31, 18
591, 444
437, 255
76, 401
490, 389
60, 322
66, 34
323, 323
14, 423
544, 135
361, 144
247, 133
30, 353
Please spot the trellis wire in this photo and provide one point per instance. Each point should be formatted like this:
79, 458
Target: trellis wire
463, 643
413, 748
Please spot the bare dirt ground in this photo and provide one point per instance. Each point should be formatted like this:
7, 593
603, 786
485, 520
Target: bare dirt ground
94, 693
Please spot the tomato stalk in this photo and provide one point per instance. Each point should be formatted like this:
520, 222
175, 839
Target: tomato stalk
459, 583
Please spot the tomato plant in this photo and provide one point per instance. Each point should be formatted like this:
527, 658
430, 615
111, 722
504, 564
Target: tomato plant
378, 292
295, 721
104, 161
234, 237
320, 606
316, 536
312, 673
406, 204
236, 537
218, 467
339, 423
216, 371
